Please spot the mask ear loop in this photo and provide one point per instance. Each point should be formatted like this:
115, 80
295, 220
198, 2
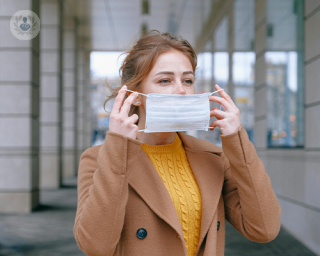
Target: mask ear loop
216, 91
134, 91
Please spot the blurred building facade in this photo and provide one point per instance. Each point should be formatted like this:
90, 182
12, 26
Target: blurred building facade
264, 53
270, 52
45, 101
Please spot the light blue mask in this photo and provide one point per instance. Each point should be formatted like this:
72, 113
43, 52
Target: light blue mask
177, 112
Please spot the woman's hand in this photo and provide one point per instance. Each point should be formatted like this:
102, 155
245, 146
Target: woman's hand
228, 120
120, 122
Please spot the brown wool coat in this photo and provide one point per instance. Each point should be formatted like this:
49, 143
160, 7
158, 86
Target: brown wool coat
119, 192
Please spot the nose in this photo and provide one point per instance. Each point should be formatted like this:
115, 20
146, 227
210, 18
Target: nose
180, 89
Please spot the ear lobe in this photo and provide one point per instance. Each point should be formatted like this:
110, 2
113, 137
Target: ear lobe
137, 103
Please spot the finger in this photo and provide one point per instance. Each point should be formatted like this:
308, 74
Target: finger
127, 104
133, 132
218, 114
133, 118
225, 104
118, 100
225, 95
216, 123
214, 108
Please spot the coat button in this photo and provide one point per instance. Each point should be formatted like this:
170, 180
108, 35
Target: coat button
141, 233
218, 225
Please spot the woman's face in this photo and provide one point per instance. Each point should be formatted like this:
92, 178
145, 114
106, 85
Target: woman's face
171, 74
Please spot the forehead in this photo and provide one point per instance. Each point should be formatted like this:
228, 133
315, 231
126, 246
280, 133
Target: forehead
174, 61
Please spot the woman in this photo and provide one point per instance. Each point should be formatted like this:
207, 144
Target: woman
167, 193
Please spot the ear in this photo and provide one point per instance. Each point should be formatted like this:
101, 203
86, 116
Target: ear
137, 102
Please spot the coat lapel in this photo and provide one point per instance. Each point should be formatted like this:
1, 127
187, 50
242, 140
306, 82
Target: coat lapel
208, 171
146, 181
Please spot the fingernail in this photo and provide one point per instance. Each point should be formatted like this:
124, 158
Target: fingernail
218, 86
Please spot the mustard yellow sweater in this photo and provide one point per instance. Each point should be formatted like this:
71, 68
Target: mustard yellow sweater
173, 167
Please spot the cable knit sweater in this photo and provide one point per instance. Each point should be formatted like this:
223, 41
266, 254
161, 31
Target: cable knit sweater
173, 167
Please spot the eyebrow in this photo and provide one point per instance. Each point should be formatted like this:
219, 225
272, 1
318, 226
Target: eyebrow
172, 73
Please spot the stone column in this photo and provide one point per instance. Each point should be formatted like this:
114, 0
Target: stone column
87, 135
81, 84
51, 87
69, 97
213, 49
230, 49
261, 89
19, 114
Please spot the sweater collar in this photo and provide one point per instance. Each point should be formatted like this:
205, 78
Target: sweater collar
188, 142
163, 149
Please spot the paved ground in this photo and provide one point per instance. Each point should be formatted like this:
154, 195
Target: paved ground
48, 231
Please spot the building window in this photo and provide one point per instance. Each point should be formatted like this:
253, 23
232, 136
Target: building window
104, 67
243, 62
284, 73
221, 55
243, 79
221, 69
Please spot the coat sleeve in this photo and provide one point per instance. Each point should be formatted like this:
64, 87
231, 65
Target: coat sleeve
103, 194
251, 205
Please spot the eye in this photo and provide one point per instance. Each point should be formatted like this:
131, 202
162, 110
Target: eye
188, 81
164, 81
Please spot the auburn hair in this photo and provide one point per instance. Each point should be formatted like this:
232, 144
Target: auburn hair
142, 57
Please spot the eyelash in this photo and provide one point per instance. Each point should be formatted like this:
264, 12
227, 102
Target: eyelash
190, 82
163, 80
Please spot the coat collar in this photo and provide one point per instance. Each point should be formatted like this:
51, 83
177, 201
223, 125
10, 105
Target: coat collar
198, 145
208, 171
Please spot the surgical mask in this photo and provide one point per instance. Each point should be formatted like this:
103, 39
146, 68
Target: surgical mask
177, 112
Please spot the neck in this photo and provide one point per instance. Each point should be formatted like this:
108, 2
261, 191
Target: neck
156, 138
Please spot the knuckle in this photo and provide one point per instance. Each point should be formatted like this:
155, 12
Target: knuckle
128, 122
235, 113
128, 102
112, 117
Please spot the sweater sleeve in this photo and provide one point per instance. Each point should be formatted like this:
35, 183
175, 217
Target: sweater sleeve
103, 194
251, 205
